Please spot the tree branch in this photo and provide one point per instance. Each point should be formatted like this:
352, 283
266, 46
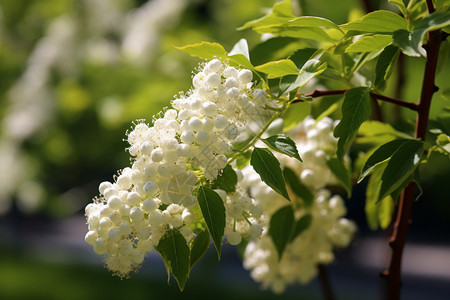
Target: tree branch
403, 219
319, 93
325, 283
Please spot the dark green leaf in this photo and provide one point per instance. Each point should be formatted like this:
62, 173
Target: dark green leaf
301, 56
268, 167
384, 66
298, 187
213, 211
199, 247
301, 225
283, 144
355, 110
175, 252
227, 180
281, 225
341, 173
383, 153
401, 165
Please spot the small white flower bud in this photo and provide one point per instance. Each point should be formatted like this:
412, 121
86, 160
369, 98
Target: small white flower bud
124, 210
114, 235
176, 221
149, 205
213, 80
136, 214
114, 202
182, 150
220, 122
91, 237
125, 229
234, 238
213, 65
157, 155
209, 108
187, 137
245, 76
233, 92
133, 199
150, 187
188, 217
146, 148
230, 72
155, 218
103, 186
195, 123
100, 246
201, 138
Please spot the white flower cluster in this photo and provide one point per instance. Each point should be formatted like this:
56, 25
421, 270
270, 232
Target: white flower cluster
188, 141
328, 229
243, 215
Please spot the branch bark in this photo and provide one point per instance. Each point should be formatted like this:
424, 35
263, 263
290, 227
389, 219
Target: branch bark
325, 283
401, 225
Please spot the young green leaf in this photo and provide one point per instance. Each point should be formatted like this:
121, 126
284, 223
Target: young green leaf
383, 153
401, 6
341, 173
310, 69
283, 144
401, 165
199, 247
280, 228
301, 56
243, 159
310, 21
370, 43
300, 226
380, 21
313, 33
278, 68
213, 211
227, 180
281, 12
294, 114
298, 187
384, 66
204, 50
176, 254
355, 110
268, 167
240, 54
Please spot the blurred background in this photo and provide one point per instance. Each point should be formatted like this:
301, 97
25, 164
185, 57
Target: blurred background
75, 74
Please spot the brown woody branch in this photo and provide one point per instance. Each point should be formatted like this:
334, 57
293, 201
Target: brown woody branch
319, 93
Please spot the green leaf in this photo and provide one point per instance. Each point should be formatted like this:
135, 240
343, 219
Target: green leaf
268, 167
313, 33
283, 144
383, 153
204, 50
378, 213
278, 68
298, 187
401, 6
213, 211
410, 43
401, 165
175, 252
301, 56
199, 247
309, 21
243, 159
295, 113
227, 180
376, 128
355, 110
370, 43
281, 12
341, 173
280, 228
385, 65
380, 21
240, 54
310, 69
300, 226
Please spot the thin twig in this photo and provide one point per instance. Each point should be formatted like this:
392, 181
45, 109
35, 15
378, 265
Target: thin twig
319, 93
325, 283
